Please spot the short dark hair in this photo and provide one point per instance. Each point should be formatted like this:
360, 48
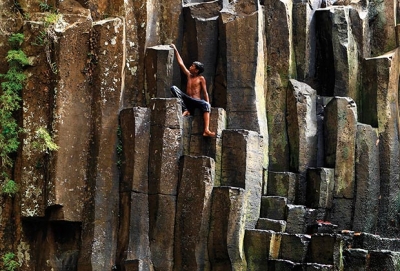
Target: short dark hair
199, 66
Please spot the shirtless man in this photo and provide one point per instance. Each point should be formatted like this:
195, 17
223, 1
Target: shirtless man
196, 86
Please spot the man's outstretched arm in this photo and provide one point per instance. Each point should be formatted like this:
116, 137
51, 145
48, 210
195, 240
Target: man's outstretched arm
180, 61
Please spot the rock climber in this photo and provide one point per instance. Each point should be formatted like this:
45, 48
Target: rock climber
196, 86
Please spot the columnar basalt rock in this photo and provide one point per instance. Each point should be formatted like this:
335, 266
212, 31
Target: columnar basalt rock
165, 145
246, 72
325, 249
280, 68
294, 247
320, 185
340, 133
72, 120
201, 38
282, 184
36, 114
135, 140
225, 240
100, 222
383, 72
260, 246
384, 260
165, 152
382, 22
212, 147
241, 167
340, 73
133, 233
159, 71
303, 39
302, 127
193, 213
367, 179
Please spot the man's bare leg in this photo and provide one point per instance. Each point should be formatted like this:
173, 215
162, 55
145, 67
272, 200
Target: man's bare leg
207, 132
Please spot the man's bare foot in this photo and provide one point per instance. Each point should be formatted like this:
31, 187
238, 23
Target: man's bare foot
186, 113
209, 133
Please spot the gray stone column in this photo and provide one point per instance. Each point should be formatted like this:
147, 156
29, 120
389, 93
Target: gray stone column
302, 131
242, 167
133, 233
340, 132
165, 152
280, 68
367, 179
72, 122
100, 227
193, 213
159, 68
227, 229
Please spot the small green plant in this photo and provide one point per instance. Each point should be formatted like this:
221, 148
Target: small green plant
9, 263
10, 98
44, 7
43, 141
9, 188
48, 36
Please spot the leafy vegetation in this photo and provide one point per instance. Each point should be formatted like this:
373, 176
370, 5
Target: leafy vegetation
43, 141
9, 263
48, 35
9, 188
10, 98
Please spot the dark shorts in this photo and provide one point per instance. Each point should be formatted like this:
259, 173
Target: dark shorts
188, 103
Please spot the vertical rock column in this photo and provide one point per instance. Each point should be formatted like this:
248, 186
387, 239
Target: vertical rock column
201, 38
245, 70
227, 229
281, 67
383, 24
159, 60
302, 130
340, 131
133, 234
212, 147
72, 120
36, 113
383, 73
165, 151
100, 227
242, 167
304, 38
341, 76
367, 179
193, 213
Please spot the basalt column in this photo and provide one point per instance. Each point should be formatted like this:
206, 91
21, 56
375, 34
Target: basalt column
244, 43
367, 179
242, 167
193, 213
281, 67
159, 61
383, 73
200, 39
340, 131
101, 211
302, 128
225, 239
133, 233
338, 53
72, 120
165, 151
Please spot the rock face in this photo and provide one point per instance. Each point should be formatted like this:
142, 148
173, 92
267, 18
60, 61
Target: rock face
303, 173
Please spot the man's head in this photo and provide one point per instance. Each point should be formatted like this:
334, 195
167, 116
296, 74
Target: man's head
199, 66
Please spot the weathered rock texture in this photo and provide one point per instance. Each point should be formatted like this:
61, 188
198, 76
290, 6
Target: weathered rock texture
303, 173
